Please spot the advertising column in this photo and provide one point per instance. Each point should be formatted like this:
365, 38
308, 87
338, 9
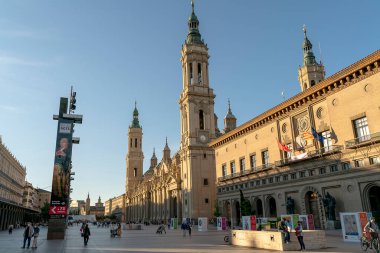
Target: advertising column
61, 180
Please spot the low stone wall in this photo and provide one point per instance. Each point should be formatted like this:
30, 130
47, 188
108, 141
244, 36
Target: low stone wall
132, 227
314, 239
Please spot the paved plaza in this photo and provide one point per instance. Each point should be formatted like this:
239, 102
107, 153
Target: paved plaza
146, 241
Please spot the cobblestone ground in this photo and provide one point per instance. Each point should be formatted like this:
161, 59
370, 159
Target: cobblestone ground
146, 241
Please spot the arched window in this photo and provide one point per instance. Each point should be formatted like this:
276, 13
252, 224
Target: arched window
135, 172
136, 143
312, 83
191, 73
131, 142
201, 120
199, 73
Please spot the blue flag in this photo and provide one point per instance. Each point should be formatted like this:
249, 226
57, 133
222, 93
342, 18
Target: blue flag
317, 136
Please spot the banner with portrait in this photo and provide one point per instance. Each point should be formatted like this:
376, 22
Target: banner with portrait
61, 170
351, 227
202, 224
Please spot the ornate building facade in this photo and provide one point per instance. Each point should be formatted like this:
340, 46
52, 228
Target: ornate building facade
181, 185
324, 141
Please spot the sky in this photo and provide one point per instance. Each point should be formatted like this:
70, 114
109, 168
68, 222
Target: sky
117, 52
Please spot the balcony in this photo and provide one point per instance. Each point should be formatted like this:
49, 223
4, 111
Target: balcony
363, 141
310, 155
263, 167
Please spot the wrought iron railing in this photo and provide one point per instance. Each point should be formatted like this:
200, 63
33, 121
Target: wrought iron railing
363, 140
246, 172
311, 154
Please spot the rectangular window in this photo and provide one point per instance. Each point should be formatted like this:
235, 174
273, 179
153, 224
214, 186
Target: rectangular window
293, 176
361, 129
374, 160
136, 143
311, 173
278, 179
252, 159
346, 166
232, 166
322, 171
302, 174
191, 73
285, 177
252, 183
265, 157
271, 180
327, 143
333, 168
242, 164
224, 170
199, 73
206, 201
264, 181
257, 182
205, 181
359, 163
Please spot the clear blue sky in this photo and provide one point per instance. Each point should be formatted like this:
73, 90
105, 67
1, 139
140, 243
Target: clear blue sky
116, 52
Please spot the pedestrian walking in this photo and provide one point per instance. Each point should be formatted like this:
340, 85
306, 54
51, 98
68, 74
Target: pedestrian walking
10, 229
28, 232
299, 235
86, 234
189, 228
184, 228
36, 233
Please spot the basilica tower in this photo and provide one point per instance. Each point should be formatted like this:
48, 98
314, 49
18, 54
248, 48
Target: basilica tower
135, 155
197, 126
311, 72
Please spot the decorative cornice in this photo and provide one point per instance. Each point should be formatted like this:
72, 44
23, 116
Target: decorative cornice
356, 72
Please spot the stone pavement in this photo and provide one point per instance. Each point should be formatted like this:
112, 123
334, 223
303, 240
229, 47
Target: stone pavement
147, 241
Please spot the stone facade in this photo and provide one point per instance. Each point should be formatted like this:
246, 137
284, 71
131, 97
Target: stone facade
344, 110
181, 186
116, 206
30, 197
43, 197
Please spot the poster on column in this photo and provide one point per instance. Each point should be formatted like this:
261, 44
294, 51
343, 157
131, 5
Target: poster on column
363, 219
304, 221
173, 223
246, 221
219, 223
310, 220
202, 224
351, 228
253, 222
61, 170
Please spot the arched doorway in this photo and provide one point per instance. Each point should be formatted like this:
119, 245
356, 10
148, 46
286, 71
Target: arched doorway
311, 205
272, 207
238, 214
374, 201
259, 208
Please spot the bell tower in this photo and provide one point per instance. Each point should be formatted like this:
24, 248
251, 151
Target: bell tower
311, 72
197, 126
135, 155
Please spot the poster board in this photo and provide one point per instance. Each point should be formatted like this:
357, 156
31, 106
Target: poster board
351, 227
202, 224
221, 223
289, 220
261, 223
305, 223
246, 222
173, 223
310, 220
253, 222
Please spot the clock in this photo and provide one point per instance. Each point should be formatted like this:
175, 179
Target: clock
202, 138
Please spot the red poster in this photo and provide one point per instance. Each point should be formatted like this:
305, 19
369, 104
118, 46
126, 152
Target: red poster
253, 222
58, 210
310, 220
363, 219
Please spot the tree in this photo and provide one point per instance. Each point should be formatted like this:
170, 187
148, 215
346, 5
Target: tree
245, 205
216, 209
45, 212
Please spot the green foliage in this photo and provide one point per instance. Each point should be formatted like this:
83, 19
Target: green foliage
245, 205
216, 209
45, 212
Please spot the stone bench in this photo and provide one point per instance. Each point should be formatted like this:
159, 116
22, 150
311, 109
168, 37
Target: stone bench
314, 239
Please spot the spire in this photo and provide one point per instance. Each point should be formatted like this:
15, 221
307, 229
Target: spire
99, 200
166, 144
135, 122
193, 37
308, 55
153, 160
230, 115
166, 151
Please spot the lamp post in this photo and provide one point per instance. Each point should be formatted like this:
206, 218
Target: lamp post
60, 194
